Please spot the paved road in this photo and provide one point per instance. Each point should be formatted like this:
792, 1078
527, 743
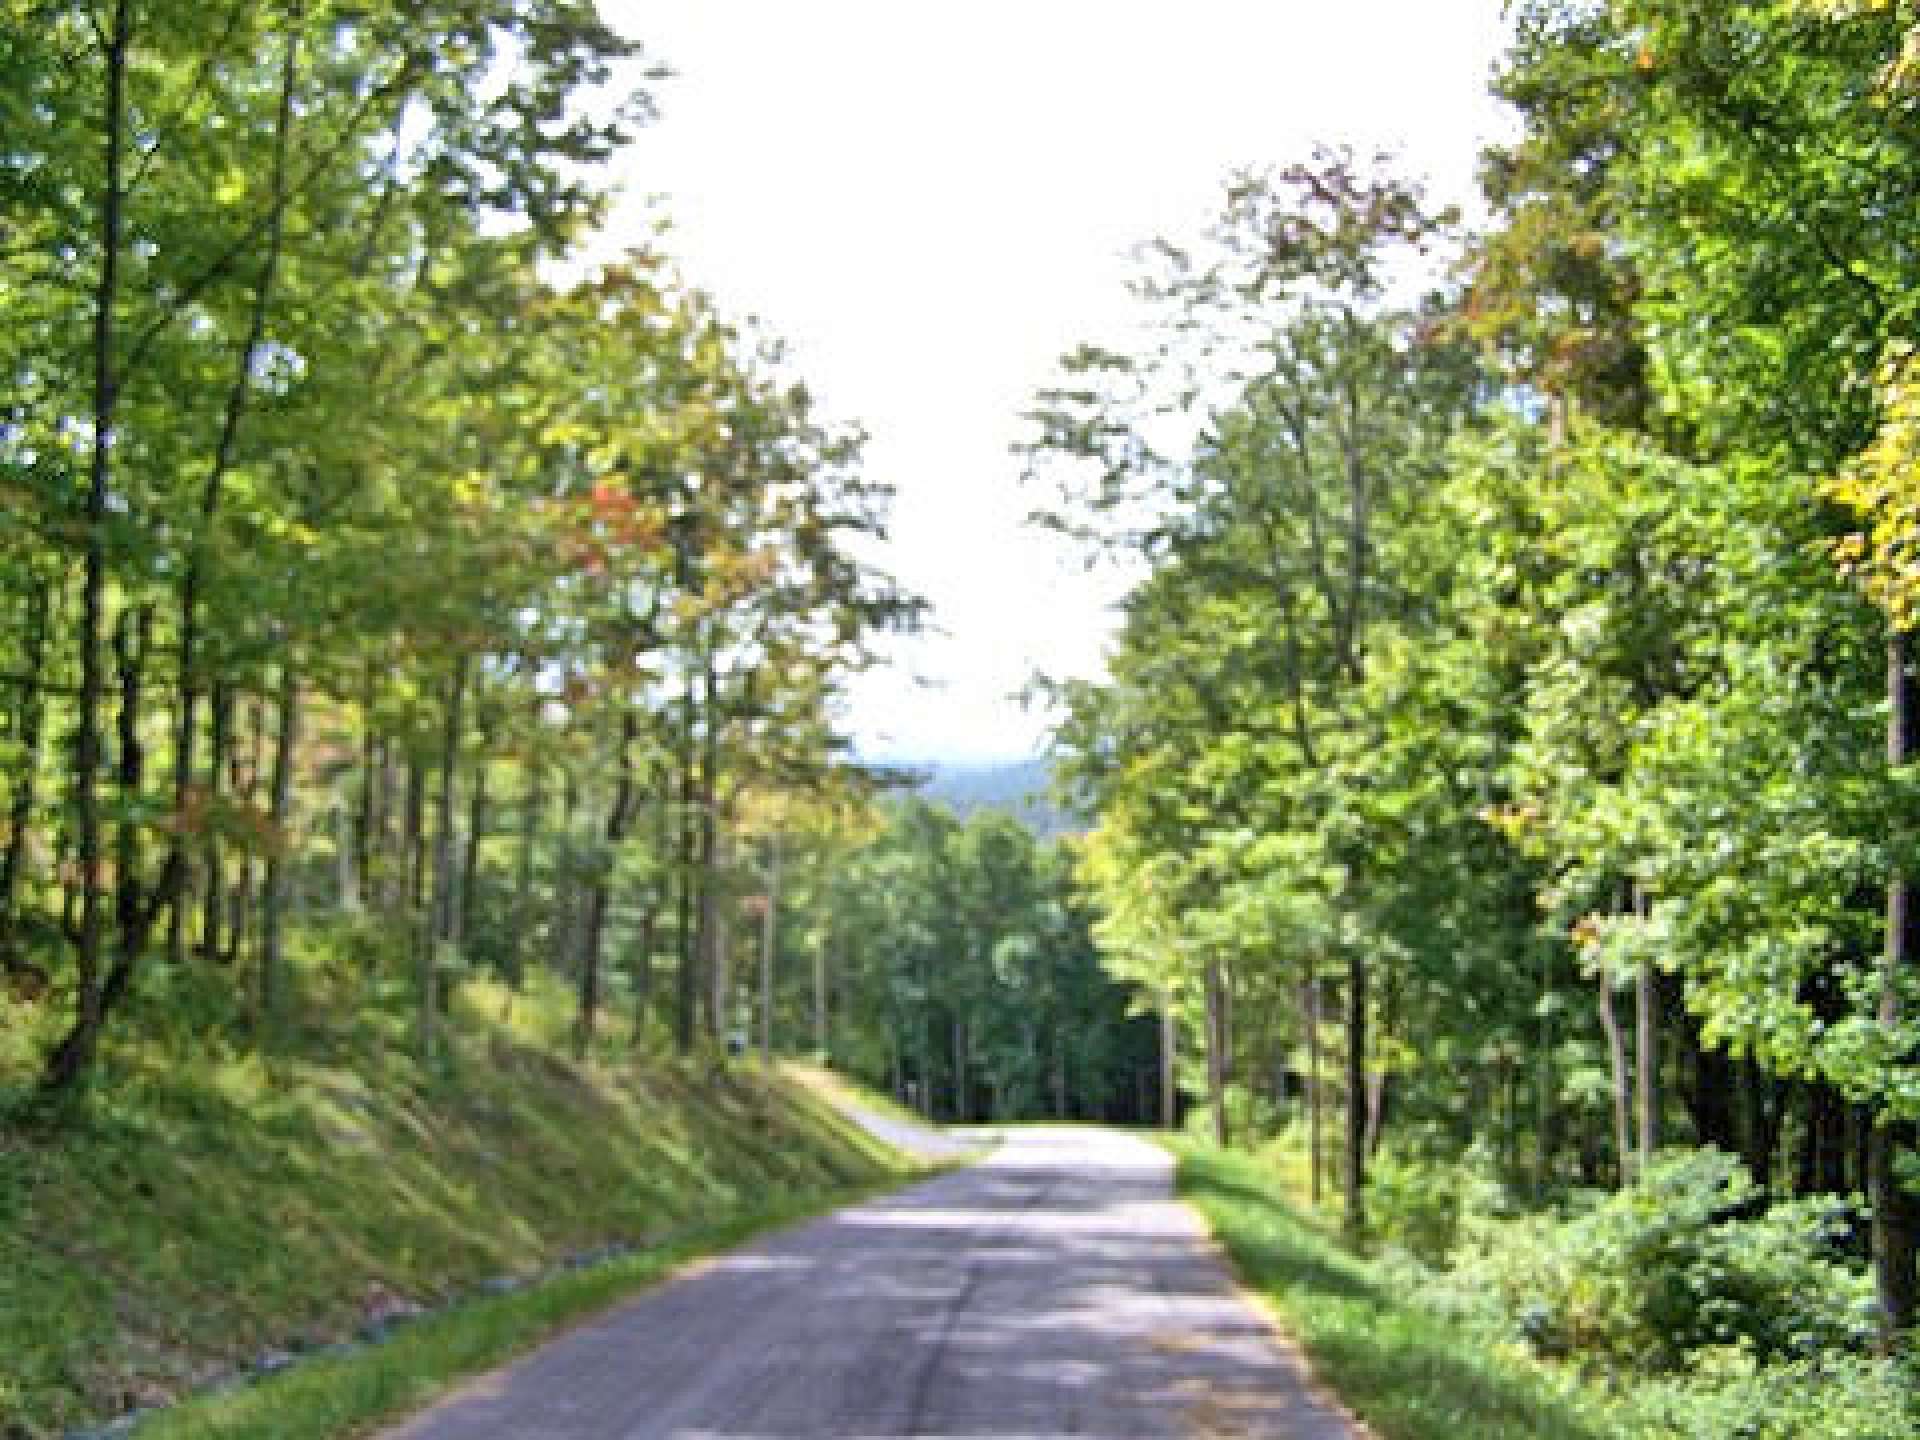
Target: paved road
1052, 1289
922, 1141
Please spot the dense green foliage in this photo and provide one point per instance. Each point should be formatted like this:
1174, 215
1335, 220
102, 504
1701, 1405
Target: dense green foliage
359, 575
1487, 1347
1409, 1370
1503, 787
956, 971
1509, 751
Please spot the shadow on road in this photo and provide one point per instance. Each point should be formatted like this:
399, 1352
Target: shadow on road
1053, 1289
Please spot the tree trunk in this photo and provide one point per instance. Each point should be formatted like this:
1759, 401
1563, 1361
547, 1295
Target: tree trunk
1356, 1168
1169, 1063
769, 933
532, 805
72, 1057
439, 933
273, 897
1378, 1084
649, 930
601, 889
469, 889
1646, 1069
413, 842
1823, 1157
445, 909
213, 901
363, 820
1622, 1086
713, 844
24, 798
1711, 1099
200, 553
133, 638
1543, 1081
413, 845
1316, 1087
687, 980
822, 962
1896, 1217
958, 1030
1216, 1052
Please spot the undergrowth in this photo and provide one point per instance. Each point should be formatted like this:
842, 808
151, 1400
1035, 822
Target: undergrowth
210, 1209
1680, 1308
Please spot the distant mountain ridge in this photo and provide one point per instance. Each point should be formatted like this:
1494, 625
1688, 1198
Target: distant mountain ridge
1019, 787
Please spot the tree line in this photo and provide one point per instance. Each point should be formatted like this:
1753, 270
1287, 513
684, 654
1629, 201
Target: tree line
380, 577
955, 968
1509, 747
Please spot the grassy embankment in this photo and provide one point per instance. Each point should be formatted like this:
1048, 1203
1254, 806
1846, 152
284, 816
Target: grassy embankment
1407, 1373
208, 1217
834, 1087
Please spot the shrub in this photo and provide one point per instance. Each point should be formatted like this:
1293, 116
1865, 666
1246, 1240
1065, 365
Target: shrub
1676, 1266
1732, 1398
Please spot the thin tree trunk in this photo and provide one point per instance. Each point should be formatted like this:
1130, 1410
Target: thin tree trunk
413, 841
465, 918
213, 902
719, 938
413, 869
372, 764
440, 926
713, 943
1646, 1045
244, 784
273, 898
1315, 1087
1378, 1084
132, 640
770, 923
445, 909
1622, 1086
533, 805
1896, 1217
25, 794
200, 554
958, 1035
686, 981
1543, 1081
72, 1057
1169, 1063
822, 962
1216, 1052
1355, 1177
597, 896
649, 930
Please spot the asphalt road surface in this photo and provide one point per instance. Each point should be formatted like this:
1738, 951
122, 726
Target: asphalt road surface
1054, 1288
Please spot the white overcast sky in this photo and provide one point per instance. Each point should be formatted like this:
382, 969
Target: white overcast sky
931, 202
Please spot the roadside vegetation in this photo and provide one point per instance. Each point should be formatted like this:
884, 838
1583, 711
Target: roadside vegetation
423, 769
1662, 1313
1503, 776
227, 1215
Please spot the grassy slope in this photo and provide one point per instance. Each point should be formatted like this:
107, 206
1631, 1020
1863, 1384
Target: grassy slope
832, 1085
1406, 1373
201, 1215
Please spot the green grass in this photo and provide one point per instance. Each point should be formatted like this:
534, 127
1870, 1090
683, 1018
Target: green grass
1410, 1375
835, 1085
206, 1207
345, 1394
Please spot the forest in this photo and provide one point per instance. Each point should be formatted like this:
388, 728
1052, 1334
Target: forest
1505, 774
396, 599
1501, 803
